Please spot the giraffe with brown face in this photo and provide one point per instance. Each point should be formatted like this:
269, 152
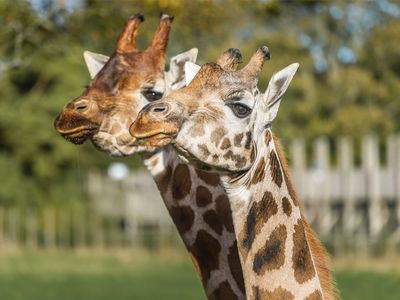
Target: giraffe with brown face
196, 201
221, 123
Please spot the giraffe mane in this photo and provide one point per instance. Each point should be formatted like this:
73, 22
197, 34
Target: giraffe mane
319, 255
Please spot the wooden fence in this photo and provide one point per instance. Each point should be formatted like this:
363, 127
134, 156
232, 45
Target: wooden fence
350, 193
353, 194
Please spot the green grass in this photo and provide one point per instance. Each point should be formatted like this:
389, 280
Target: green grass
58, 275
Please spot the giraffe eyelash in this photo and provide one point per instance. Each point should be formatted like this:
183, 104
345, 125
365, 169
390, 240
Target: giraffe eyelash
234, 96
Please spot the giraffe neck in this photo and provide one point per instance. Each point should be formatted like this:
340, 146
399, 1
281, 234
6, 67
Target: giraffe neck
281, 257
201, 212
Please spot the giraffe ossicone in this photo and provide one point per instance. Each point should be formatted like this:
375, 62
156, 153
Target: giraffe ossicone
221, 123
196, 201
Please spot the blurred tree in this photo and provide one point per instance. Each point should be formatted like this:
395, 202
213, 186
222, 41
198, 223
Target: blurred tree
348, 82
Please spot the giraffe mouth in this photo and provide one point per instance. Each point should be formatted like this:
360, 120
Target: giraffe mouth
80, 134
154, 139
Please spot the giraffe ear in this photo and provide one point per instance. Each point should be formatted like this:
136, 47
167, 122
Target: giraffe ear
191, 70
94, 62
276, 88
175, 77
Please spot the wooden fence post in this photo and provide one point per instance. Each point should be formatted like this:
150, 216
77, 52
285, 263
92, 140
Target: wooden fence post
346, 166
322, 184
370, 153
393, 166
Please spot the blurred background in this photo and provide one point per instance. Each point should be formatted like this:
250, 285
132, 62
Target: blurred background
76, 223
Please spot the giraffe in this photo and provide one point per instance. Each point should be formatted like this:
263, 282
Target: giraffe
196, 201
221, 123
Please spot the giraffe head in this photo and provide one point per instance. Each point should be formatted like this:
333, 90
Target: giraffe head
122, 84
215, 121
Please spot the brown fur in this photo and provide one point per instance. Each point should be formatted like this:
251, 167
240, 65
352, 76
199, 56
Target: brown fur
286, 206
238, 139
183, 217
226, 143
248, 140
181, 182
301, 258
127, 70
239, 160
223, 209
209, 178
259, 213
230, 59
259, 172
203, 148
211, 218
203, 196
272, 254
236, 267
217, 135
206, 249
224, 291
315, 296
276, 172
197, 130
277, 294
127, 39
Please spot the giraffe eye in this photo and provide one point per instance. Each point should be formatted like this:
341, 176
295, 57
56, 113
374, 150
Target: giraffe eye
152, 95
240, 110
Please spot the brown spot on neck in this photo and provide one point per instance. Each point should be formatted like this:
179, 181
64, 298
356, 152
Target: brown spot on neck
259, 173
277, 294
259, 213
316, 295
211, 218
223, 291
276, 172
206, 250
224, 212
181, 182
209, 178
302, 262
236, 267
272, 255
203, 196
183, 217
286, 206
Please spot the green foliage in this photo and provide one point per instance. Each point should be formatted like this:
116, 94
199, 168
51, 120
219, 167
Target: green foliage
41, 69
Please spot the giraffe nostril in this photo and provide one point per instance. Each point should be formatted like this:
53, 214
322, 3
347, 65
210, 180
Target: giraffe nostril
159, 108
81, 106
